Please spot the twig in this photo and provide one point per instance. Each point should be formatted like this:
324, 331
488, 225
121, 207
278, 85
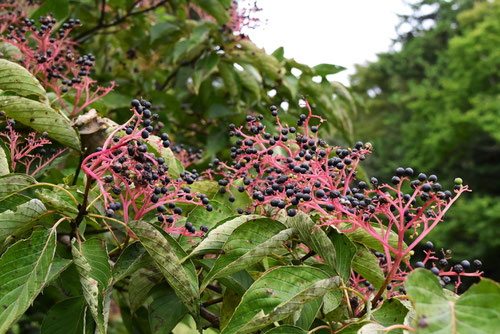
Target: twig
217, 289
308, 255
211, 302
212, 318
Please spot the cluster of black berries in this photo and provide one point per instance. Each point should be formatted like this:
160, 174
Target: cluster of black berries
444, 269
132, 172
293, 179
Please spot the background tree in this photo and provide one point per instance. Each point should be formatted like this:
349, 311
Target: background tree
438, 99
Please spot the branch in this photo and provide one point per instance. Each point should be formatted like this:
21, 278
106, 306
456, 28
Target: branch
101, 25
212, 318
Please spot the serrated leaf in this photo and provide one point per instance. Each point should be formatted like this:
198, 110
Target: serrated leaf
24, 269
337, 250
217, 237
476, 311
278, 294
132, 258
248, 244
14, 223
366, 264
42, 118
166, 252
68, 317
16, 79
92, 263
166, 309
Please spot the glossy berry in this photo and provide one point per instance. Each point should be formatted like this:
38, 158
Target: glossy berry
435, 271
465, 264
458, 268
443, 263
291, 212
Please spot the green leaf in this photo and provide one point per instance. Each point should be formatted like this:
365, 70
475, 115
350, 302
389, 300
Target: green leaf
337, 250
250, 82
166, 252
227, 73
216, 9
366, 264
248, 244
132, 258
14, 223
216, 238
204, 67
10, 184
476, 311
392, 312
58, 200
230, 301
40, 117
13, 182
4, 163
92, 263
16, 79
241, 200
217, 110
372, 328
68, 317
326, 69
200, 216
286, 329
59, 265
166, 309
278, 294
279, 53
161, 29
140, 283
24, 269
59, 8
363, 237
309, 312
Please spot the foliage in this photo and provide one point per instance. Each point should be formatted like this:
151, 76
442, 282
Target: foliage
283, 238
438, 98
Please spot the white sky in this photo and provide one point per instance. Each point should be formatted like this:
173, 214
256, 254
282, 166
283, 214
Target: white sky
340, 32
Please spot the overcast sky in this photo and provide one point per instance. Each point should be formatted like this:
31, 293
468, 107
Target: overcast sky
341, 32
